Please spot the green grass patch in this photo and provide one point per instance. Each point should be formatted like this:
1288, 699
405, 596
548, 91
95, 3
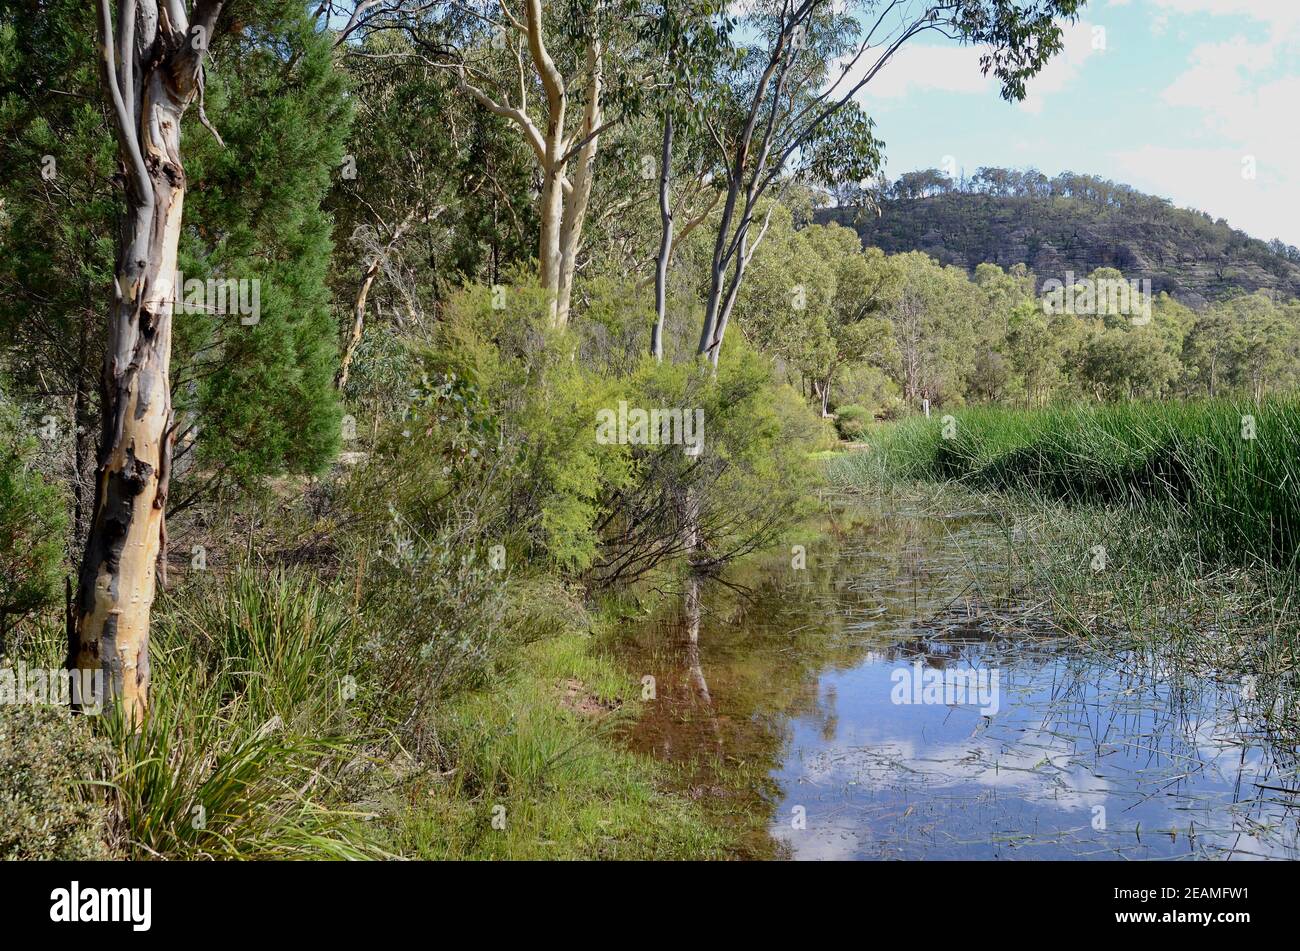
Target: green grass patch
1228, 470
532, 770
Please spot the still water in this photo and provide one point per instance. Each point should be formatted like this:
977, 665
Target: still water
798, 696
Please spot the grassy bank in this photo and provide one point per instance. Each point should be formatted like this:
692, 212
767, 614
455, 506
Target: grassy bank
535, 772
1228, 471
273, 735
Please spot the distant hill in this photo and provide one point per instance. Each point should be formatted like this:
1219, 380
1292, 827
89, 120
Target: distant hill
1071, 223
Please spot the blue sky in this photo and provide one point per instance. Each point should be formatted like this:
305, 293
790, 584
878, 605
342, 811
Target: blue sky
1179, 98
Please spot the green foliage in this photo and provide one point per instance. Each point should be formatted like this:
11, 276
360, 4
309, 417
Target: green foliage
263, 393
1220, 466
455, 179
752, 477
258, 398
503, 430
49, 808
870, 387
248, 726
33, 525
59, 201
545, 401
851, 421
447, 511
892, 331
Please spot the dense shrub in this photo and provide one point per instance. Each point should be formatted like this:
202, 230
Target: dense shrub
871, 388
851, 421
503, 432
32, 526
49, 807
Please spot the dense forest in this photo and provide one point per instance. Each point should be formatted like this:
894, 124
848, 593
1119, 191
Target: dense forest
885, 332
364, 367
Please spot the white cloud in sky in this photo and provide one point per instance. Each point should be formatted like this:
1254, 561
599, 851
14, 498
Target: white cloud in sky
1244, 97
953, 68
1280, 16
1080, 42
919, 68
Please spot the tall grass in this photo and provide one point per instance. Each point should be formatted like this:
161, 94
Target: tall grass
253, 748
247, 729
1228, 470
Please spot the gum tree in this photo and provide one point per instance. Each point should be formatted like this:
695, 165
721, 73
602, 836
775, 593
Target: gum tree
684, 41
792, 113
152, 60
544, 68
251, 397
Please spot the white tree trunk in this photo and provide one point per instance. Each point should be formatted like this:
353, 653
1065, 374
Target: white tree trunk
151, 73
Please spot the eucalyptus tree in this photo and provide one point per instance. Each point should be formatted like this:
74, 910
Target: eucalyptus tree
684, 42
933, 319
866, 284
791, 112
250, 393
152, 63
557, 72
434, 189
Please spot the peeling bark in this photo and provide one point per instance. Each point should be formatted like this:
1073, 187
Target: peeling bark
151, 74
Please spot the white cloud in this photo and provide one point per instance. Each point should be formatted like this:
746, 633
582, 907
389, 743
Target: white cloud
948, 68
1210, 179
1219, 74
1281, 16
1244, 94
1079, 42
953, 68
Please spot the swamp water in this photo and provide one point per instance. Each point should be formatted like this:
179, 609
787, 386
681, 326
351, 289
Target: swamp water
792, 697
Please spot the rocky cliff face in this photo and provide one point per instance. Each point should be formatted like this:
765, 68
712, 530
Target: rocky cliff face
1181, 252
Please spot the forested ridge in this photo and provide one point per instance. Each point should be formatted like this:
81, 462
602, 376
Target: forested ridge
1071, 222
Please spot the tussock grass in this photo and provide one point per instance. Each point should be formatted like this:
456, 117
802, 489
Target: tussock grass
1235, 496
247, 728
268, 737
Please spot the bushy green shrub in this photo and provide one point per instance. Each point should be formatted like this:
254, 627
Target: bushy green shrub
50, 808
506, 394
851, 421
802, 424
868, 387
468, 499
32, 526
